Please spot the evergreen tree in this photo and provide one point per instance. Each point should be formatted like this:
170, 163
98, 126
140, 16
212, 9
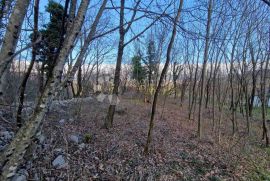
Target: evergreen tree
138, 71
47, 50
150, 60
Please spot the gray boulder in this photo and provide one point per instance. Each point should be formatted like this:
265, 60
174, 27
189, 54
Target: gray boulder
59, 162
18, 177
21, 175
75, 139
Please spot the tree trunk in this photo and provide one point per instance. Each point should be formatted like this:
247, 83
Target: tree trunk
254, 81
164, 70
109, 118
208, 86
26, 76
10, 41
12, 157
194, 87
204, 66
79, 82
263, 92
86, 43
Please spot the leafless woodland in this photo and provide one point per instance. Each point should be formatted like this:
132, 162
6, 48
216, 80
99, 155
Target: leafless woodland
134, 90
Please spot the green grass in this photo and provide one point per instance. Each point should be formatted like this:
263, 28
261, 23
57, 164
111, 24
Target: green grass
257, 113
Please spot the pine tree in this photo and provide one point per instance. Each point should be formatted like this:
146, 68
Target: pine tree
150, 60
48, 49
138, 71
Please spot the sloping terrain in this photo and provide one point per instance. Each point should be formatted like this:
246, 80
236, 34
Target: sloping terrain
73, 145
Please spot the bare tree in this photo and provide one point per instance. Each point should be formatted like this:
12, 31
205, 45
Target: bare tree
164, 70
28, 72
10, 41
264, 72
108, 123
12, 157
205, 59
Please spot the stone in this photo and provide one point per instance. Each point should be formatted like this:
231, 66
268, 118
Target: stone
2, 147
59, 162
23, 172
41, 139
7, 135
18, 177
71, 120
82, 146
75, 139
62, 122
58, 151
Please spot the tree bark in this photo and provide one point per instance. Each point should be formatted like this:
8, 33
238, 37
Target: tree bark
194, 86
12, 157
79, 82
86, 43
27, 74
109, 118
205, 59
263, 92
164, 70
10, 41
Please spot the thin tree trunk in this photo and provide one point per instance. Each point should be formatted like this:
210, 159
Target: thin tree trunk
86, 43
194, 86
109, 118
263, 82
26, 76
79, 82
233, 104
208, 86
204, 66
163, 73
122, 31
12, 157
254, 81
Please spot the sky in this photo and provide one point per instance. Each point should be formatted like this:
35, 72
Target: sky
111, 17
114, 21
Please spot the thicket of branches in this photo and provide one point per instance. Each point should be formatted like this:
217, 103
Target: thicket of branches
210, 54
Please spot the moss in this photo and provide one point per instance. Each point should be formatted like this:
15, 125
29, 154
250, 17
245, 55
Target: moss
87, 138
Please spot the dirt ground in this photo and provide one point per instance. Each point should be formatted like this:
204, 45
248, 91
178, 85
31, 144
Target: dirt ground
117, 154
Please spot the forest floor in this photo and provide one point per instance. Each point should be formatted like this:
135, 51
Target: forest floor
75, 147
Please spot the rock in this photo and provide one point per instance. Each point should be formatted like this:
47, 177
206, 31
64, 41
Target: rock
18, 177
58, 151
82, 146
21, 175
62, 122
23, 172
36, 177
2, 147
88, 98
75, 139
50, 178
59, 162
41, 139
71, 120
7, 135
